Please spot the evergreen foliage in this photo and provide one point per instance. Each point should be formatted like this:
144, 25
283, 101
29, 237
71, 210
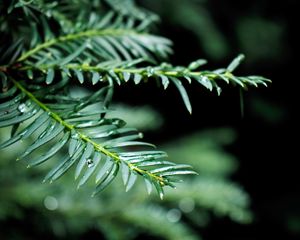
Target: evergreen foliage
47, 47
63, 213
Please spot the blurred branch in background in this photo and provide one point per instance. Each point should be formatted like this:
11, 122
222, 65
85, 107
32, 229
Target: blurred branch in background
60, 211
261, 39
193, 16
222, 29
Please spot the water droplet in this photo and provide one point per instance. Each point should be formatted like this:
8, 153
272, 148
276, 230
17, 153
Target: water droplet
174, 215
75, 136
50, 203
89, 163
101, 77
150, 71
205, 79
118, 122
141, 135
187, 205
22, 108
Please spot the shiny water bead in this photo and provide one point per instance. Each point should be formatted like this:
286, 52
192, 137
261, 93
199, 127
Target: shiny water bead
22, 108
89, 163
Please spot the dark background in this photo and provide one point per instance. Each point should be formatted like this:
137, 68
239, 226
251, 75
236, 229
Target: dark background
267, 131
267, 145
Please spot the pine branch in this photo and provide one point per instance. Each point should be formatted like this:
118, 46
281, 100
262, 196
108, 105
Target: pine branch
127, 70
124, 74
57, 41
66, 9
221, 196
82, 131
156, 43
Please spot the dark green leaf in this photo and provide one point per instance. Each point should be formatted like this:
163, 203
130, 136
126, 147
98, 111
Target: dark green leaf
114, 76
18, 119
106, 20
89, 149
119, 47
131, 180
111, 143
154, 163
11, 140
126, 76
137, 78
74, 142
107, 180
183, 93
95, 78
177, 172
105, 170
235, 63
132, 143
109, 94
236, 80
14, 129
165, 81
79, 75
136, 48
50, 76
73, 55
11, 103
91, 169
14, 47
205, 82
159, 189
140, 154
109, 48
67, 164
170, 168
48, 136
188, 78
30, 74
59, 145
8, 93
125, 172
148, 184
224, 78
8, 114
196, 64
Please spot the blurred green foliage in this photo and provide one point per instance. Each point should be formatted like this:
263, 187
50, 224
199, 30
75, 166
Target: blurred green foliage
64, 212
221, 29
60, 211
194, 17
260, 39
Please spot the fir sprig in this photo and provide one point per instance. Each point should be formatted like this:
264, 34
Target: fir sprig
102, 44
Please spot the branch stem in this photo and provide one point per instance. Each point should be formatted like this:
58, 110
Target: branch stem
74, 36
118, 70
82, 136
